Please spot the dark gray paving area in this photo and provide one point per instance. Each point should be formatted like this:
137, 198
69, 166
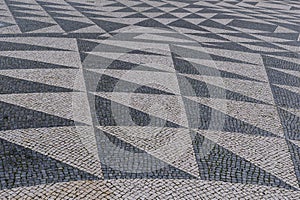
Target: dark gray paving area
149, 99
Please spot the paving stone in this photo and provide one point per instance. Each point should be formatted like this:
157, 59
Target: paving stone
139, 99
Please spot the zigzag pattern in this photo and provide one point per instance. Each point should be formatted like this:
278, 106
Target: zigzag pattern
145, 89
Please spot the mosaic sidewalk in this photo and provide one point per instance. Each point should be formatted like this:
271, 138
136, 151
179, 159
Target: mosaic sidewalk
149, 99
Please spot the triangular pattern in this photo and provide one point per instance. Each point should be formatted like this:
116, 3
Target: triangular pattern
207, 117
181, 72
12, 85
48, 170
295, 153
290, 123
105, 115
285, 98
69, 25
4, 24
160, 146
196, 69
281, 78
264, 150
7, 46
109, 26
151, 23
211, 167
185, 24
31, 119
18, 63
102, 87
148, 166
27, 25
203, 89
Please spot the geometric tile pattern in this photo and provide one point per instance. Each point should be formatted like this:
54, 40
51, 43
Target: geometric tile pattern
179, 99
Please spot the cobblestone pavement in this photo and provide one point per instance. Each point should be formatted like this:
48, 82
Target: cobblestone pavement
149, 99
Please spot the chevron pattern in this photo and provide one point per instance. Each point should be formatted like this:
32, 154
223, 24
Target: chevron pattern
113, 96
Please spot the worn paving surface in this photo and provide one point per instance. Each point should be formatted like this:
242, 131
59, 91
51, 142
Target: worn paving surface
149, 99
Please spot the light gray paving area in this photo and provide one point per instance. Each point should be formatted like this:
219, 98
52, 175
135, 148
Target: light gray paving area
149, 99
